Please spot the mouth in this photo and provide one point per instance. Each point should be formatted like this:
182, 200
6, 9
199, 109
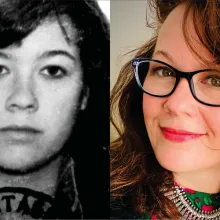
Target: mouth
175, 135
19, 135
20, 129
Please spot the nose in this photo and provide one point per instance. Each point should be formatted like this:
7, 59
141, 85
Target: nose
181, 101
21, 96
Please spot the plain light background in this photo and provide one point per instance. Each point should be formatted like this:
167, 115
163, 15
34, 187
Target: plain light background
128, 31
105, 6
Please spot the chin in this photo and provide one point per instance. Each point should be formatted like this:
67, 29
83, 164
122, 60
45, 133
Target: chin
24, 162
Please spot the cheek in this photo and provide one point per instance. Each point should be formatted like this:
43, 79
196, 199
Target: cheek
211, 118
152, 107
61, 107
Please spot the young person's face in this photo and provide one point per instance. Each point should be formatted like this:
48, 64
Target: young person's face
181, 111
40, 87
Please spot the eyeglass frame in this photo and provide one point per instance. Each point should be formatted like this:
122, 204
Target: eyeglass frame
179, 74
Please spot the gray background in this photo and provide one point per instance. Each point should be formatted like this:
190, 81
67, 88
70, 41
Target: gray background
128, 31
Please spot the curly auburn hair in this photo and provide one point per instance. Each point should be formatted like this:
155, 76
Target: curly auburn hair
135, 172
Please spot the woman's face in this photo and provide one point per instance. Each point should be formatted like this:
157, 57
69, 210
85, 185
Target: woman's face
40, 96
181, 111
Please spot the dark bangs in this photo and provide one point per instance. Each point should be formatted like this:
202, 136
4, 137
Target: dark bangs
18, 18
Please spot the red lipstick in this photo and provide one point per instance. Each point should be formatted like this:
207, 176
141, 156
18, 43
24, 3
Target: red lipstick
178, 135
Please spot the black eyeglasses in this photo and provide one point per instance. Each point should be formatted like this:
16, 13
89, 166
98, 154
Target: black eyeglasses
159, 79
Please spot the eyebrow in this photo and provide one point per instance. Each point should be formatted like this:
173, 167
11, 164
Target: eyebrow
168, 56
46, 54
5, 56
165, 54
52, 53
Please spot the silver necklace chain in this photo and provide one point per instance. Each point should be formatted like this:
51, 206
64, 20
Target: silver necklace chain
187, 209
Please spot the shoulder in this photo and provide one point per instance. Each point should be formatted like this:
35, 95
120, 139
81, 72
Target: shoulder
120, 209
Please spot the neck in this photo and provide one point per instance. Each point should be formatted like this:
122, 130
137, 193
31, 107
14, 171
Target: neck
207, 181
43, 180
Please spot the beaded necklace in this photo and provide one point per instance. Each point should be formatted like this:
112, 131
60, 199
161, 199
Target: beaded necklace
195, 205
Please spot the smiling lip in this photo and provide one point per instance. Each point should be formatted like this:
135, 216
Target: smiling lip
179, 135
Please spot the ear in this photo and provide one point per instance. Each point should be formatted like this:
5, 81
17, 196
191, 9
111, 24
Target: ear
85, 97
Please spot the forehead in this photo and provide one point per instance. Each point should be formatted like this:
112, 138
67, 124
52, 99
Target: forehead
48, 35
171, 40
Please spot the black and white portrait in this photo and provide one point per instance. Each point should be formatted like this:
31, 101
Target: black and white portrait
54, 109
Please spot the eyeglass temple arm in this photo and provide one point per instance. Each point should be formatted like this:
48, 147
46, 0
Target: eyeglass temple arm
135, 61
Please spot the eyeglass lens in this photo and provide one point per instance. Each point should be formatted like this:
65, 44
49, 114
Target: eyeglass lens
159, 79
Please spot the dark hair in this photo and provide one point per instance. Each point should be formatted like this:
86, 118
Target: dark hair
90, 135
135, 172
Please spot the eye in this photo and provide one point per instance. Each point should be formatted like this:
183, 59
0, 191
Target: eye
3, 70
213, 80
163, 72
54, 71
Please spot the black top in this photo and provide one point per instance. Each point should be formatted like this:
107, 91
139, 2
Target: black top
120, 209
